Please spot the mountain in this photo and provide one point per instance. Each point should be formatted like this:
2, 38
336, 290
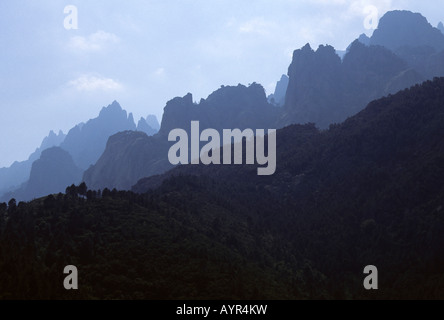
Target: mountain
228, 107
130, 156
404, 50
12, 177
411, 37
86, 142
52, 173
152, 121
364, 192
278, 97
323, 89
398, 29
52, 140
143, 126
364, 39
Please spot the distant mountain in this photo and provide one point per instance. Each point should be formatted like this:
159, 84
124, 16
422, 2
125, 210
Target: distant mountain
130, 156
278, 97
143, 126
86, 142
228, 107
52, 173
12, 177
51, 140
323, 89
152, 121
413, 39
364, 39
398, 29
386, 134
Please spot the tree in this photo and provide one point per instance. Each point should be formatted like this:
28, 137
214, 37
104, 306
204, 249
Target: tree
12, 204
71, 191
82, 189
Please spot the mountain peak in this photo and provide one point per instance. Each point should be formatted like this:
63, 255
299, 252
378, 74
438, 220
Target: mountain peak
398, 29
278, 97
113, 109
364, 39
131, 117
143, 126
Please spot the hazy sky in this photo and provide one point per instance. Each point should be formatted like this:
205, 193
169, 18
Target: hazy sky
144, 53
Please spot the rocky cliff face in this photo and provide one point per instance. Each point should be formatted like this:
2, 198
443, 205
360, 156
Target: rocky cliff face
128, 157
325, 90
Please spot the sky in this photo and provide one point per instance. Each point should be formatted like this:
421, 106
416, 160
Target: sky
55, 74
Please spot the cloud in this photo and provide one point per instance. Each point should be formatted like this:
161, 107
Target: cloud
258, 26
91, 83
94, 42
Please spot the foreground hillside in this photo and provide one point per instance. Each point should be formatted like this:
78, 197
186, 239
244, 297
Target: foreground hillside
366, 192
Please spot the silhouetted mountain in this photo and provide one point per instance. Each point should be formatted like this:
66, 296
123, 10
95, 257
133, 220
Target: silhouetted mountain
323, 89
278, 97
364, 39
130, 156
412, 38
52, 173
143, 126
12, 177
398, 29
51, 140
86, 142
228, 107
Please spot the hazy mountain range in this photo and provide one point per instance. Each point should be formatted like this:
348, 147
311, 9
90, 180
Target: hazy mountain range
84, 144
320, 88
